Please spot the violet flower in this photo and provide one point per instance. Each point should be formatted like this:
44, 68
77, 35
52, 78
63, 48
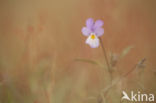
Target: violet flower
93, 30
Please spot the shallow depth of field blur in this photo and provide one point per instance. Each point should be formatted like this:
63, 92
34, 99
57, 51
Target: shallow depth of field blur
40, 40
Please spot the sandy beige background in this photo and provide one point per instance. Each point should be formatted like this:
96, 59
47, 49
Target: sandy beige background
45, 35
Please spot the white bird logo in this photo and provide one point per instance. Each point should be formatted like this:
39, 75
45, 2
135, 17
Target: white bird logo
125, 96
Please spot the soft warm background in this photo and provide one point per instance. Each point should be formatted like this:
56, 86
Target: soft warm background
39, 40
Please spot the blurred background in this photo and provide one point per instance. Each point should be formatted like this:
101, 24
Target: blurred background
40, 40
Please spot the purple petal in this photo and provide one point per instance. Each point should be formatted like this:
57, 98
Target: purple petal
98, 24
99, 31
89, 23
86, 31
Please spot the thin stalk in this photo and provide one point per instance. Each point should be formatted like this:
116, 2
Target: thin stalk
105, 55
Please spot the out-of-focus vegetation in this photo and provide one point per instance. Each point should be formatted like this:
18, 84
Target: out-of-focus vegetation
44, 59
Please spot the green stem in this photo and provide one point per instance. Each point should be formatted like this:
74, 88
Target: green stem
105, 55
122, 77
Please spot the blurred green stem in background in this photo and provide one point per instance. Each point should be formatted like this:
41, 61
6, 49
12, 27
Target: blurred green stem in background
120, 79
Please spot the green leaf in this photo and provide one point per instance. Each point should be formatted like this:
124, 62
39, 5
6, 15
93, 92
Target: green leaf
126, 51
94, 62
87, 61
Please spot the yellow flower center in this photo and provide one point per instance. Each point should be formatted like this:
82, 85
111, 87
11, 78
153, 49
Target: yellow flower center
92, 36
